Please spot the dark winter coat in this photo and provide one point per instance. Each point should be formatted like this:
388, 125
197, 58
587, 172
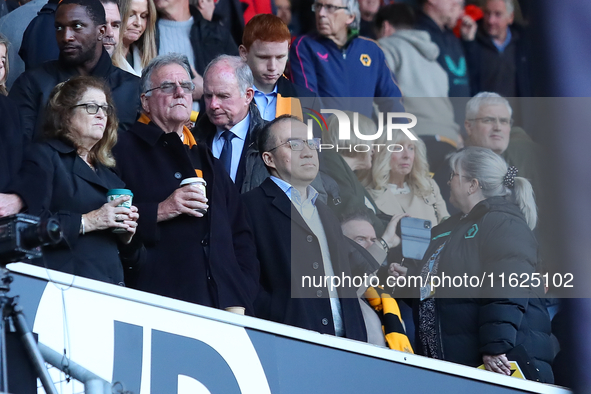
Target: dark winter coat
55, 180
209, 261
289, 250
12, 141
506, 73
493, 238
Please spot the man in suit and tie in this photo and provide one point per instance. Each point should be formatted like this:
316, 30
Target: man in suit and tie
233, 120
297, 237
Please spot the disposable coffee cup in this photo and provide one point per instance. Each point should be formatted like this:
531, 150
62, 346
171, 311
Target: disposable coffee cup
114, 194
239, 310
200, 183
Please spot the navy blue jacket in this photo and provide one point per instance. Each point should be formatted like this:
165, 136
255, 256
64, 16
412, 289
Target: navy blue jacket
39, 44
358, 69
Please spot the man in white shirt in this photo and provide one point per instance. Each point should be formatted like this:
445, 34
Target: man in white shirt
232, 120
298, 237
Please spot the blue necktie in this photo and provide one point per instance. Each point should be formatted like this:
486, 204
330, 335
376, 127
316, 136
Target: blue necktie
226, 155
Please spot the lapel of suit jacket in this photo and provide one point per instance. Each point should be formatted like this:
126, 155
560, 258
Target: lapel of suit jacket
255, 123
283, 204
241, 169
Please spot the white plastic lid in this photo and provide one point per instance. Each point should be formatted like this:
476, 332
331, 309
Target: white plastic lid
189, 181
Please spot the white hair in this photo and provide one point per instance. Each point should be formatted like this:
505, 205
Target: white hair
485, 98
157, 63
509, 5
353, 9
241, 71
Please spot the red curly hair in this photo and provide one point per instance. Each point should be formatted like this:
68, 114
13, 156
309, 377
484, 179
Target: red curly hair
265, 27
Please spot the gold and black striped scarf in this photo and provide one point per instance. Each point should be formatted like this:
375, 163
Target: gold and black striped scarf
389, 312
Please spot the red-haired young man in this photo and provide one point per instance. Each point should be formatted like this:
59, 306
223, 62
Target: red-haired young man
265, 48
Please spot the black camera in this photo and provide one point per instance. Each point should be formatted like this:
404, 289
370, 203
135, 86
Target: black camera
22, 236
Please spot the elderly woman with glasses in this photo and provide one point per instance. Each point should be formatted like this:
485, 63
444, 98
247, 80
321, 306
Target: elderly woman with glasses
3, 64
69, 175
490, 319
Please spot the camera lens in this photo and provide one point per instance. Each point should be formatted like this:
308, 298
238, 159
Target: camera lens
427, 225
45, 232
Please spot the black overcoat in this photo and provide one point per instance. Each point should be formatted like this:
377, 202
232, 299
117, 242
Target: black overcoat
55, 180
211, 260
289, 250
11, 141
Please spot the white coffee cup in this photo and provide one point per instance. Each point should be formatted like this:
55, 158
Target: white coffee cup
200, 183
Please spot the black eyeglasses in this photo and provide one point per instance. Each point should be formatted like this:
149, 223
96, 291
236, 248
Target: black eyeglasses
489, 120
170, 87
298, 145
316, 7
92, 108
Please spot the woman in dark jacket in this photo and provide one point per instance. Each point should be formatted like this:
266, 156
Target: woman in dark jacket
69, 175
486, 319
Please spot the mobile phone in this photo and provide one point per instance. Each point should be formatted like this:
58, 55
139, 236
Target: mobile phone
415, 235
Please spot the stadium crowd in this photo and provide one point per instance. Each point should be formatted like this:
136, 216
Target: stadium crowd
211, 113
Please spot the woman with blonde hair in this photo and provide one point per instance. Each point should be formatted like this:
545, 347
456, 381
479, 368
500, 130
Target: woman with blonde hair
137, 45
400, 181
3, 64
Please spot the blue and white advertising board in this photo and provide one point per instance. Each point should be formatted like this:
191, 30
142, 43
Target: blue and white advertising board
153, 344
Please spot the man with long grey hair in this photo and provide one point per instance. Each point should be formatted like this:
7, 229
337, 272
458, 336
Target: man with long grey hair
337, 63
233, 120
199, 246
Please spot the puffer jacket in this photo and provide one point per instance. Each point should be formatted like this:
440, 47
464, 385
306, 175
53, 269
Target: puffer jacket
493, 239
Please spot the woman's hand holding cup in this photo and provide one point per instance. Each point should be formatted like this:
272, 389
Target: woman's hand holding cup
110, 215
